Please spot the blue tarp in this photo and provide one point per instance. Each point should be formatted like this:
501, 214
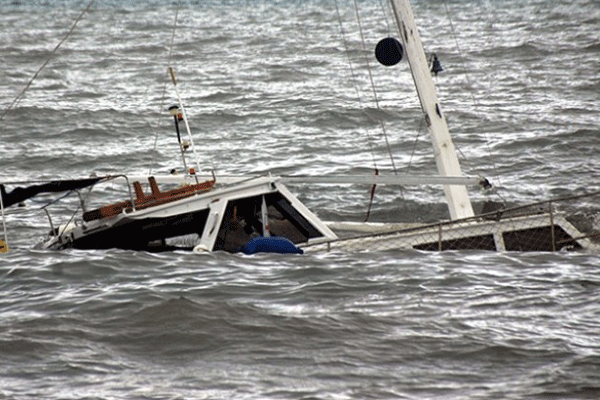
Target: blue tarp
273, 244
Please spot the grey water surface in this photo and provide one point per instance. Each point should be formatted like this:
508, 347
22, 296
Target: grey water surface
268, 88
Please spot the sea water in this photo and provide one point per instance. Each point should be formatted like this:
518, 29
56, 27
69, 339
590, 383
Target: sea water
284, 88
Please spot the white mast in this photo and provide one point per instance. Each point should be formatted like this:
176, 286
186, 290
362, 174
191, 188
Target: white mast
443, 147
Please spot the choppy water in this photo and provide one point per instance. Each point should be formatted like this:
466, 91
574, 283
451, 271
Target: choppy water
268, 88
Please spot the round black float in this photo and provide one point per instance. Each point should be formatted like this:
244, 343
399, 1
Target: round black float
389, 51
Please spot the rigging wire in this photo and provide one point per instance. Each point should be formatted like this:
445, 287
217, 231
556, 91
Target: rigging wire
386, 12
164, 91
171, 74
473, 99
354, 81
389, 14
20, 95
414, 149
375, 96
362, 107
34, 77
3, 244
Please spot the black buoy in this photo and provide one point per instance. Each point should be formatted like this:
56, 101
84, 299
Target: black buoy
389, 51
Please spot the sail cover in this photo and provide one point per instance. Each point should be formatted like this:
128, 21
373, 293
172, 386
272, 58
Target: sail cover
20, 194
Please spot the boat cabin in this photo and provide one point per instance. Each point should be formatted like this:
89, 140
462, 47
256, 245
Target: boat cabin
204, 216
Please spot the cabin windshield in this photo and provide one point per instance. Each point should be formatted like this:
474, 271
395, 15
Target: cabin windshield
243, 221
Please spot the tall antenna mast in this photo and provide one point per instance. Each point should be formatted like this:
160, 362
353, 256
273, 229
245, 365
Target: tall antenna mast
185, 120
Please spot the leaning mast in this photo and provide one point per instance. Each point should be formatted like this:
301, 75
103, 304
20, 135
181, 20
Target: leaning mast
446, 159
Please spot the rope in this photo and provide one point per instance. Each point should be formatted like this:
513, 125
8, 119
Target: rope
46, 62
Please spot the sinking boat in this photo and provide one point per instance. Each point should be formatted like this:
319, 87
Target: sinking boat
217, 213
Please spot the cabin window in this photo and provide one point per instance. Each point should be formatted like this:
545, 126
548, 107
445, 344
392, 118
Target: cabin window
538, 239
151, 234
483, 242
243, 221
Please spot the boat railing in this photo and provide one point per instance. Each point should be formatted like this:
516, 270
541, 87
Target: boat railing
563, 223
140, 200
82, 201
